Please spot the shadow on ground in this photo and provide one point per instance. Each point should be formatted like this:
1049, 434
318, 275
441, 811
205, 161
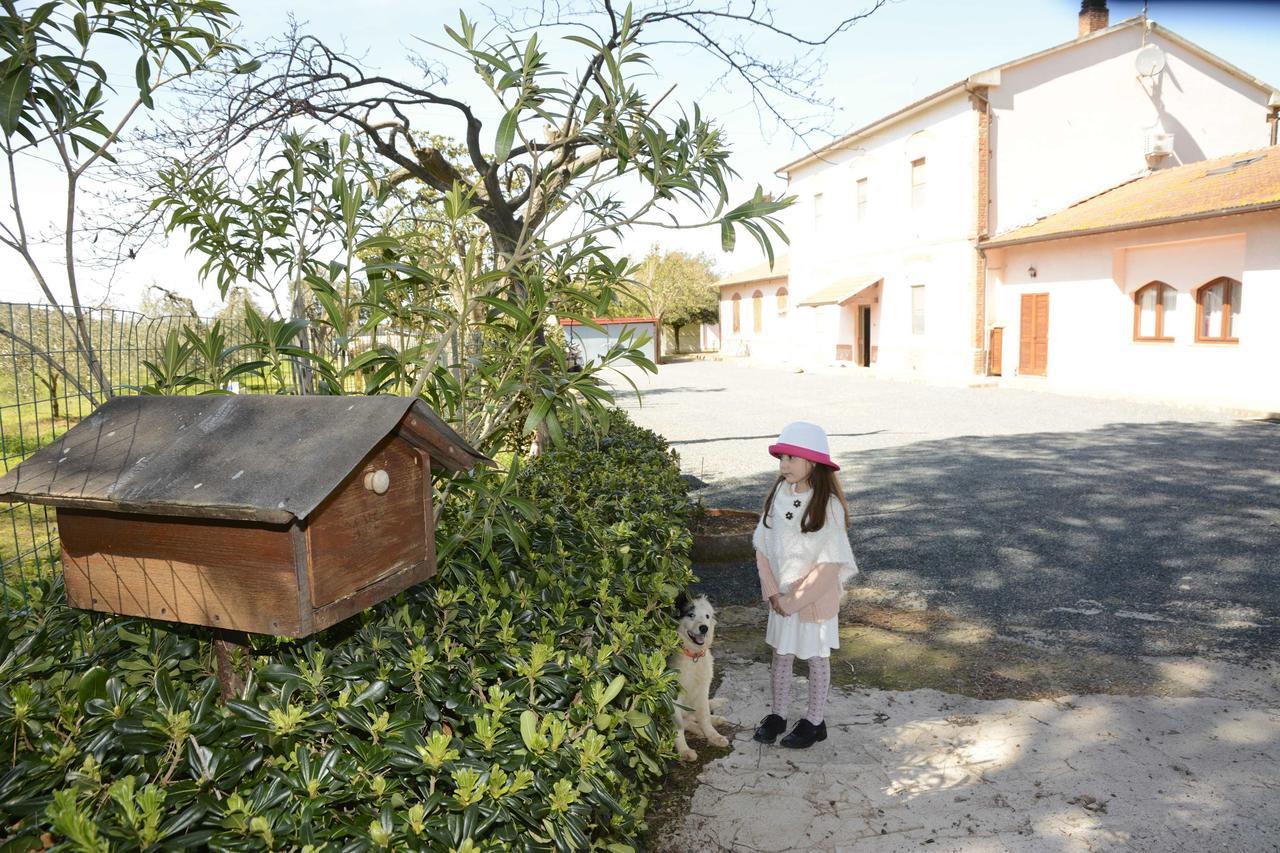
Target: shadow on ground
1140, 561
1149, 539
769, 437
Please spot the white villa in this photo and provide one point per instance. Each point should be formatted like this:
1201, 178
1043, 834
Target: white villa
1101, 216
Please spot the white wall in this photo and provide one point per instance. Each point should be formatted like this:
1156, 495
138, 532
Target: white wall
1091, 281
774, 330
1064, 127
930, 246
834, 245
1071, 124
709, 337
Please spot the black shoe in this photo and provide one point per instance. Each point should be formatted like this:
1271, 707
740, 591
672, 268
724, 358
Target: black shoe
805, 734
769, 729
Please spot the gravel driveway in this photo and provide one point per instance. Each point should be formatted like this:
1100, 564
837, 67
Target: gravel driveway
1133, 528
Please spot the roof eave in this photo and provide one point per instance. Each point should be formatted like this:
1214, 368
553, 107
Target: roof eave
426, 430
253, 515
1211, 57
1129, 226
773, 276
1049, 51
930, 100
880, 123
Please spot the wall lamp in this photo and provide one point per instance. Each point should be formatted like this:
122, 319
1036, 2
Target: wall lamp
1031, 271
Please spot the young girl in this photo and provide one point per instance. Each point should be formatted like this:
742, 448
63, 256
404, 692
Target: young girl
804, 560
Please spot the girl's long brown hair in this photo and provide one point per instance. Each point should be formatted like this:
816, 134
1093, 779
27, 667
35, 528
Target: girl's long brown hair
825, 483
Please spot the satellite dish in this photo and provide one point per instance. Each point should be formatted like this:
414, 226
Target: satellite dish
1149, 60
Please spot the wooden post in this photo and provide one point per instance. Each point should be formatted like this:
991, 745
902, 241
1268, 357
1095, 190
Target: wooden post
225, 643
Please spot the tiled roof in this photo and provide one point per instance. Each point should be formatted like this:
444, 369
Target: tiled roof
1237, 183
759, 272
842, 291
180, 455
609, 321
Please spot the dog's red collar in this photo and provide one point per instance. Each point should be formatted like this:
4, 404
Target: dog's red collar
690, 655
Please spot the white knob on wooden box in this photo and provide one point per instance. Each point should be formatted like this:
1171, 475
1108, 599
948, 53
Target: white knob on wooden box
377, 481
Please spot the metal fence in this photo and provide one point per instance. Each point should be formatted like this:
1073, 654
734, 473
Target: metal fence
45, 388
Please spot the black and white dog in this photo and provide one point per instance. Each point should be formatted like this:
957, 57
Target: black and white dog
694, 663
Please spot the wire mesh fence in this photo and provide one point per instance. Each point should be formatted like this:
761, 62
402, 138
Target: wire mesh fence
46, 386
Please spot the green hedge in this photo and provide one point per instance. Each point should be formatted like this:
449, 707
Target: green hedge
519, 700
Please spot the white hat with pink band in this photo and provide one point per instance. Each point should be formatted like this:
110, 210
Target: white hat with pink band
806, 441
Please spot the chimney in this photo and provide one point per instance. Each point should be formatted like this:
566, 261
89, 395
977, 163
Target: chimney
1093, 17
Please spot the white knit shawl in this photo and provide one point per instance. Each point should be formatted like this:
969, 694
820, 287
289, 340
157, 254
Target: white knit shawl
793, 554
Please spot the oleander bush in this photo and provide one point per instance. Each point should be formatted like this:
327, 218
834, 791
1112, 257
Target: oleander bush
518, 700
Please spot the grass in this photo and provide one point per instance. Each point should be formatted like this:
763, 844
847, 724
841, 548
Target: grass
890, 649
26, 428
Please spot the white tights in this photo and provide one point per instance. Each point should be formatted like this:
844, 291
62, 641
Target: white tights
819, 685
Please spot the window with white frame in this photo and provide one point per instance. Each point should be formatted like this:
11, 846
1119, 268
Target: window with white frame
817, 210
917, 183
861, 188
917, 309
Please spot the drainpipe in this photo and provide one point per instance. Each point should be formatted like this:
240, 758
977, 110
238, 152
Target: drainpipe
978, 87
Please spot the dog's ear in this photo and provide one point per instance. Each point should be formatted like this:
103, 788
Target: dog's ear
682, 601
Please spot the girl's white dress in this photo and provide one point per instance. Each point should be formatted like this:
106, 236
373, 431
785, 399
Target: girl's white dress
792, 555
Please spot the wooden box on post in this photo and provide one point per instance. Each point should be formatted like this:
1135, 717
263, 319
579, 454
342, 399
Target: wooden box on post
265, 514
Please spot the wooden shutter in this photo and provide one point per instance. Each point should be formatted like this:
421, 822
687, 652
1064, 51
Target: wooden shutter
1026, 321
1042, 334
1033, 338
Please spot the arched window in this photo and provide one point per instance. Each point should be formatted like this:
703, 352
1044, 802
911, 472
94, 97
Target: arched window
782, 301
757, 311
737, 313
1153, 305
1218, 310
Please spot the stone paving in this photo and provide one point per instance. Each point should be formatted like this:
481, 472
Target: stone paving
1136, 530
1130, 528
924, 770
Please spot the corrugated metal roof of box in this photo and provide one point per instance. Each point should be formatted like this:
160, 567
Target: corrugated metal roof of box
260, 458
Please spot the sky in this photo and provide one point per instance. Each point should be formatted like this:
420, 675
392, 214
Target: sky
904, 51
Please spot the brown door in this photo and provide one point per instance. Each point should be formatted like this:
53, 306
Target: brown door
1033, 350
995, 353
864, 335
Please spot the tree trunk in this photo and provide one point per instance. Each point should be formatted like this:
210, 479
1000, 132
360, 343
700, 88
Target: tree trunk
50, 383
231, 673
302, 372
506, 237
